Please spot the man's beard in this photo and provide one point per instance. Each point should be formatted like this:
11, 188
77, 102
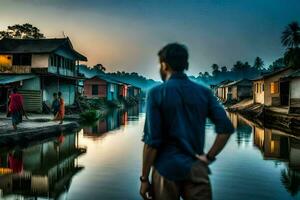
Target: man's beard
163, 75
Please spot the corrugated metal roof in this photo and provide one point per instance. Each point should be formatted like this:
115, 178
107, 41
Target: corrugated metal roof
242, 82
106, 78
294, 74
268, 75
9, 45
6, 79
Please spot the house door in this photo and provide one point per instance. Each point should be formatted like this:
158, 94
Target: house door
284, 93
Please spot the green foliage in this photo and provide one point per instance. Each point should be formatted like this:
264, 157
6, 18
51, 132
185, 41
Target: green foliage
90, 116
22, 31
277, 64
290, 37
258, 63
291, 40
240, 70
292, 57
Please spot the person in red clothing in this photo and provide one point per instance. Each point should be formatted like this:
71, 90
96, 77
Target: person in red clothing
15, 161
16, 107
61, 112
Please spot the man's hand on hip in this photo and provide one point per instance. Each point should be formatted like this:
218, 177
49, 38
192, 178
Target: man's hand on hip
202, 158
146, 190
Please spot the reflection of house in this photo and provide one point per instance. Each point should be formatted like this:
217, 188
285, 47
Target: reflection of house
294, 154
39, 67
113, 120
133, 113
267, 89
47, 169
291, 84
101, 86
272, 144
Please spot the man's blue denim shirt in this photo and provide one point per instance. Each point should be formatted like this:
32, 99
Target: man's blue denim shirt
176, 114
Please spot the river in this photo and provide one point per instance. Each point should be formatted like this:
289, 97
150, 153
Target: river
103, 161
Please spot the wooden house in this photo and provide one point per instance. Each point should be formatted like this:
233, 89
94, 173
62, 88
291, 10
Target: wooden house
238, 90
101, 86
134, 91
221, 90
291, 83
269, 91
51, 61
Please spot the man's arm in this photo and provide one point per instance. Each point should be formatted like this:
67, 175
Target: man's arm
223, 126
149, 155
219, 144
152, 139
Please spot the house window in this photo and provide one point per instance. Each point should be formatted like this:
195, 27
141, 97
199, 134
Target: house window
94, 89
112, 89
262, 87
256, 87
52, 61
5, 60
274, 87
22, 59
58, 61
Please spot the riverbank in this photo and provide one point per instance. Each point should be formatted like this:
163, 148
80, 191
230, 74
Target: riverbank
268, 116
37, 127
40, 126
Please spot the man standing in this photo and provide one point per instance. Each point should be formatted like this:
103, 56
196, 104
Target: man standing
16, 108
174, 132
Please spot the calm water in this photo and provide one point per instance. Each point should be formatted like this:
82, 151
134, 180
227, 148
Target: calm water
104, 161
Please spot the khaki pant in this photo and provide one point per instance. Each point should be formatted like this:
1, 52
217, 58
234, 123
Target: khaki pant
195, 187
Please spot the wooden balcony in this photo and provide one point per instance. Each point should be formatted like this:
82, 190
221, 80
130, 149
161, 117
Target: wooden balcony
54, 70
15, 69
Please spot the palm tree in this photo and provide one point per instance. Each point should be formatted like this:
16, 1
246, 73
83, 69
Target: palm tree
215, 69
291, 35
258, 63
224, 69
291, 40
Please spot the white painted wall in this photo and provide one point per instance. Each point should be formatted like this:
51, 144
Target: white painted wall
258, 97
295, 88
40, 60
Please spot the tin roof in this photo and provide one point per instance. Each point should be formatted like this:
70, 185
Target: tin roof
9, 45
6, 79
268, 75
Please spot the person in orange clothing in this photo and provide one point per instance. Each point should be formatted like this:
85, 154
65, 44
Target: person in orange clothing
61, 112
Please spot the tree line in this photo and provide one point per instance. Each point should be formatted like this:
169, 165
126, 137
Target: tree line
290, 40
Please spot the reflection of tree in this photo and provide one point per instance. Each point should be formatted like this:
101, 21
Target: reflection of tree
291, 181
243, 133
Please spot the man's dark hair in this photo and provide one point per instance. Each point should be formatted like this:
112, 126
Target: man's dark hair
175, 55
54, 94
15, 90
59, 94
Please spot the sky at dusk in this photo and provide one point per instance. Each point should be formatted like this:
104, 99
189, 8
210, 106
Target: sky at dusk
126, 34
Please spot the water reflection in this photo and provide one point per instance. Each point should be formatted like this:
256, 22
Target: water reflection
258, 163
243, 130
113, 120
274, 145
43, 170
